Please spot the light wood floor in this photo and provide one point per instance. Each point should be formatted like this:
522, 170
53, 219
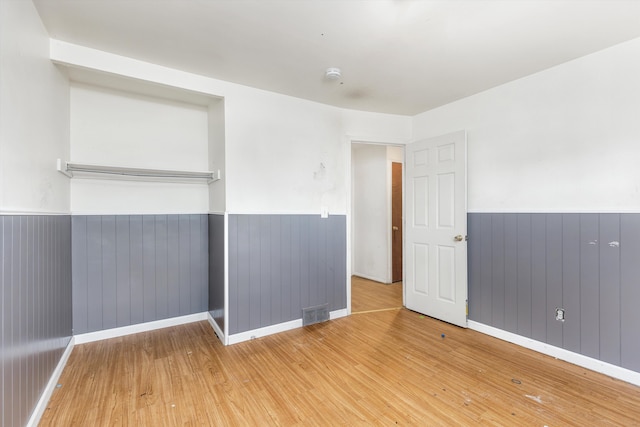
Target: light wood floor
368, 296
386, 367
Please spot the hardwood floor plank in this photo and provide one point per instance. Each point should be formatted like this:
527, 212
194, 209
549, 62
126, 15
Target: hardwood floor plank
369, 296
389, 367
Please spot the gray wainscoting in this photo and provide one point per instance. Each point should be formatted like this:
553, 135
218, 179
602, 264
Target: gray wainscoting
35, 304
280, 264
524, 266
130, 269
216, 268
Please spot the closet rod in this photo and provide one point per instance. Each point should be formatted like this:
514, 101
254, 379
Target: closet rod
69, 168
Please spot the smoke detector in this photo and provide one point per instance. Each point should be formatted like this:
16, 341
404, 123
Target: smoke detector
333, 73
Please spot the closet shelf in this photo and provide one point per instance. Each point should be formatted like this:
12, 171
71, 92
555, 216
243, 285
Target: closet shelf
69, 168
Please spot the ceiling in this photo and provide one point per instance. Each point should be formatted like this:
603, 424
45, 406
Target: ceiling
396, 56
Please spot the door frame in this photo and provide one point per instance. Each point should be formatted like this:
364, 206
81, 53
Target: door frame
349, 141
454, 311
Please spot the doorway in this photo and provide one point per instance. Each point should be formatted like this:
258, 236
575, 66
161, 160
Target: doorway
396, 222
376, 219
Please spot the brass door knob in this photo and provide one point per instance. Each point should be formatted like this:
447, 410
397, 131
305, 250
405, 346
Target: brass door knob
459, 238
395, 228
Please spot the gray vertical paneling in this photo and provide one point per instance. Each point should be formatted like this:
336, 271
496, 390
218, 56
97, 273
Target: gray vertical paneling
511, 273
279, 264
338, 248
589, 285
109, 279
173, 265
497, 270
80, 274
321, 261
305, 258
284, 268
553, 238
161, 262
474, 252
538, 277
216, 268
6, 335
523, 248
571, 281
93, 258
184, 242
240, 290
136, 278
22, 315
123, 271
275, 255
138, 268
486, 269
233, 272
296, 265
35, 297
149, 268
196, 236
203, 254
630, 291
588, 264
254, 283
610, 288
264, 223
314, 277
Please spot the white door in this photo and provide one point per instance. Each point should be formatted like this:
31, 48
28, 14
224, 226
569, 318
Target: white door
436, 227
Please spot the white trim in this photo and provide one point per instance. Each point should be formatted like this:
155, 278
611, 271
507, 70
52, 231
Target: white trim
274, 329
349, 218
559, 353
225, 335
336, 314
140, 327
554, 210
16, 212
331, 213
376, 140
133, 212
41, 406
366, 276
215, 327
263, 332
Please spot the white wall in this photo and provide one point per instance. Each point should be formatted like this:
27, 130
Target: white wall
564, 139
370, 212
34, 115
288, 155
282, 154
114, 128
371, 168
217, 156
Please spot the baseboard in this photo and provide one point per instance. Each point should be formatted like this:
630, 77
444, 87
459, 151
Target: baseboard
587, 362
215, 327
336, 314
372, 278
140, 327
41, 406
274, 329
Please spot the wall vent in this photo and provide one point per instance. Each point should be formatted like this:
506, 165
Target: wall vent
317, 314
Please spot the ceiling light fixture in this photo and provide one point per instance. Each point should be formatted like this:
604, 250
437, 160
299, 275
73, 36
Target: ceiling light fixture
333, 73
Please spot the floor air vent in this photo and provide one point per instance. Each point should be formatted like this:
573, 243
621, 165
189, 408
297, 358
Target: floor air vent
317, 314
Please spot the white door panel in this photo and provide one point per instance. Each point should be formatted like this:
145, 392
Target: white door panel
436, 212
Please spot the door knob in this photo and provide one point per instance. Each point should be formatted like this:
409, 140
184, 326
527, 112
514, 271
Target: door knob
459, 238
395, 228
